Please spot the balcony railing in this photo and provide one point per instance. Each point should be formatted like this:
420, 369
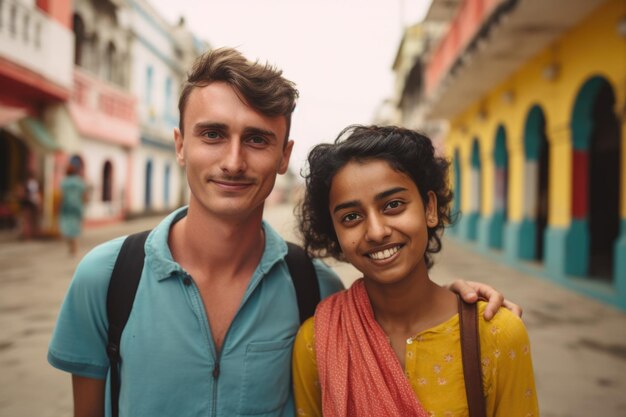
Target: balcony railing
104, 111
469, 18
36, 42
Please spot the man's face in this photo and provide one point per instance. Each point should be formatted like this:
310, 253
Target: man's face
230, 151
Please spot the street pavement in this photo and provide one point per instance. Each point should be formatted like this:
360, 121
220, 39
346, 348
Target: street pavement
578, 344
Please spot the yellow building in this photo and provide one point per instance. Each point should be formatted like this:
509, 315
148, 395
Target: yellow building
534, 94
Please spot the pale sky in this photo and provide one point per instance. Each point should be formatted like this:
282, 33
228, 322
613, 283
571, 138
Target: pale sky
338, 52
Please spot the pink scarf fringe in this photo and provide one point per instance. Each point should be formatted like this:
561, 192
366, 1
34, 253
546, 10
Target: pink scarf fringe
359, 372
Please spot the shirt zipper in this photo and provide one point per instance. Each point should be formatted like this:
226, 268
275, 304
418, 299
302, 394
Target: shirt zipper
217, 355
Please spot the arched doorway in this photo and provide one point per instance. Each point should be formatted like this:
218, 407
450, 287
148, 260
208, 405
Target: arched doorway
456, 203
14, 157
79, 40
476, 194
500, 192
536, 186
596, 181
107, 181
166, 186
147, 200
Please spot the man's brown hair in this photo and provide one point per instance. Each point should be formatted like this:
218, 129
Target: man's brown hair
262, 85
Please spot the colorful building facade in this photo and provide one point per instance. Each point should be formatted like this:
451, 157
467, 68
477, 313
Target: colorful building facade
534, 94
36, 48
161, 55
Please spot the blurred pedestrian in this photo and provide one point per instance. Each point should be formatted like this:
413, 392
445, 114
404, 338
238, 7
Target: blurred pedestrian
72, 206
30, 205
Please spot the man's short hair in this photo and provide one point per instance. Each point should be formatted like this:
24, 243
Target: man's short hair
262, 86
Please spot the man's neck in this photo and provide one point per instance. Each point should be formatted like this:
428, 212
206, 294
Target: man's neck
219, 246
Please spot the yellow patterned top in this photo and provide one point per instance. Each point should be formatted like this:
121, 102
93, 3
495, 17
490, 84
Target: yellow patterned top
434, 369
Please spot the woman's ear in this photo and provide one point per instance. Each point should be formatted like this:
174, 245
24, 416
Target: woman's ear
432, 217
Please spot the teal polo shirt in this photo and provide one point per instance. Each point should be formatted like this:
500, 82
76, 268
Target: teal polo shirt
169, 359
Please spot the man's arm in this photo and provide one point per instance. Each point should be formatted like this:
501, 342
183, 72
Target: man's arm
471, 291
88, 396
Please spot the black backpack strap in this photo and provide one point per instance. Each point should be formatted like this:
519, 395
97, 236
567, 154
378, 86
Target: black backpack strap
304, 280
120, 297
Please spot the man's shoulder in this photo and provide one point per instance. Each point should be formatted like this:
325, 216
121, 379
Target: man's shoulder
327, 279
97, 265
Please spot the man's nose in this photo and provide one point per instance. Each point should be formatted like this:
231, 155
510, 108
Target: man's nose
233, 161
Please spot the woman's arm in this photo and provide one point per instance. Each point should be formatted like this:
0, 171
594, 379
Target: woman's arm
513, 391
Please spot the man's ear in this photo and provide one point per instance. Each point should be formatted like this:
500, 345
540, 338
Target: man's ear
432, 216
284, 163
178, 143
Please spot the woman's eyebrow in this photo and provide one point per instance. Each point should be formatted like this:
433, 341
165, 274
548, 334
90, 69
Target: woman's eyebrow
389, 192
347, 204
379, 196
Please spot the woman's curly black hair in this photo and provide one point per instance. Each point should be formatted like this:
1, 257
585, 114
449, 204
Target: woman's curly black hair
405, 150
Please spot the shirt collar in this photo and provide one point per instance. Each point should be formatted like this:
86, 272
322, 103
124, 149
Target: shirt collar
159, 257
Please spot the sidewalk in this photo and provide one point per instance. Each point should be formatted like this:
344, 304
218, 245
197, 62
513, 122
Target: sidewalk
578, 345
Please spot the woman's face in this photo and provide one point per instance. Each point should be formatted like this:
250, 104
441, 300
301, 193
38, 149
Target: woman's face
381, 220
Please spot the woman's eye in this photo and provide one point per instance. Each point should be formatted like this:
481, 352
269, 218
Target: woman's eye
350, 217
394, 204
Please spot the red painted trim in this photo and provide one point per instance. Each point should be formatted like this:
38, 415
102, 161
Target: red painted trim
469, 18
580, 186
17, 79
59, 10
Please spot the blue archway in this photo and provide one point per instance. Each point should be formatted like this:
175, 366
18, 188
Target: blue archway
456, 203
525, 239
595, 243
473, 215
494, 235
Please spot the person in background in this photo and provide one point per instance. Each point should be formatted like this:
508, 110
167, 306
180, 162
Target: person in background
389, 346
73, 194
30, 206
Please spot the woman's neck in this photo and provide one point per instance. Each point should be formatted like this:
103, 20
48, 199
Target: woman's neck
411, 305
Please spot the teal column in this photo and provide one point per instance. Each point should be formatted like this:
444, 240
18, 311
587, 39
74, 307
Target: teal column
491, 231
555, 247
520, 240
620, 265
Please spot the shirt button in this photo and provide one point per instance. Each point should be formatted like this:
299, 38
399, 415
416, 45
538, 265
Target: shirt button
409, 341
187, 281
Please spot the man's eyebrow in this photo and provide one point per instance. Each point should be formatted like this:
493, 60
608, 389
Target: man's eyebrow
389, 192
209, 125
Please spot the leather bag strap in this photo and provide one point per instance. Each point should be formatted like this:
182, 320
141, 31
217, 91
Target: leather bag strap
470, 350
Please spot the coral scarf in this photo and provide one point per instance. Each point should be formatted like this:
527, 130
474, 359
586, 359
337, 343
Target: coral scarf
358, 369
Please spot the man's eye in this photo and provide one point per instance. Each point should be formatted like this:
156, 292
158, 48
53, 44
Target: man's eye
211, 134
257, 140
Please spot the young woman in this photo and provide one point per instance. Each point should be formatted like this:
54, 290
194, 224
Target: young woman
390, 345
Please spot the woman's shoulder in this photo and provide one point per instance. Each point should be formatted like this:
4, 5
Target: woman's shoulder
305, 338
505, 329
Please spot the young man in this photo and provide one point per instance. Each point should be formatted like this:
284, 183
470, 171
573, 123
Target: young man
215, 314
